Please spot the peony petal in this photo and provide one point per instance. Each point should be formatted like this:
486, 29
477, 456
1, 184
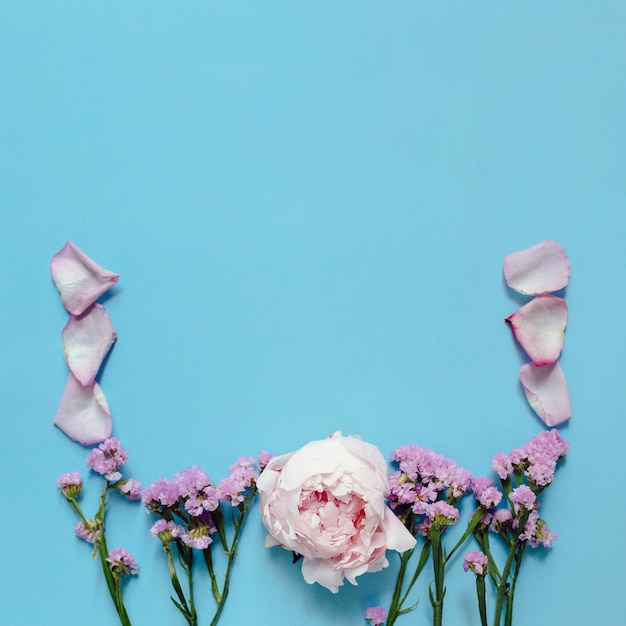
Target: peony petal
539, 327
79, 279
83, 413
86, 341
547, 393
399, 538
539, 269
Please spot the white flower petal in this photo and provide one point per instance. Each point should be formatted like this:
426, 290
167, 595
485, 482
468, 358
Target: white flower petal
547, 393
542, 268
86, 341
83, 413
539, 327
79, 279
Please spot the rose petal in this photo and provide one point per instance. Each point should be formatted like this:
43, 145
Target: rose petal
79, 279
547, 393
83, 413
539, 327
541, 268
86, 341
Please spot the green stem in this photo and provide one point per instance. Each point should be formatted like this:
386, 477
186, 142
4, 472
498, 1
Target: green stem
501, 588
482, 600
508, 618
396, 604
208, 559
438, 567
418, 570
183, 607
113, 582
231, 553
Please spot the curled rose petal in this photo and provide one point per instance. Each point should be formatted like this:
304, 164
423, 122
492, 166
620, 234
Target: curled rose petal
79, 279
542, 268
86, 340
83, 413
539, 327
547, 393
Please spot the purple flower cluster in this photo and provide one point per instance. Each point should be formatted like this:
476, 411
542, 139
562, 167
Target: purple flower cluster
476, 562
426, 485
376, 615
107, 458
122, 562
194, 499
88, 532
536, 459
71, 484
524, 474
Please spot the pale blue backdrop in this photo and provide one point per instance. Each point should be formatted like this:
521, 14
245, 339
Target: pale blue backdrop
309, 204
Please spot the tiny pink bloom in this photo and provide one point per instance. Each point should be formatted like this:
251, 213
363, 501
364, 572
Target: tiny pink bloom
542, 268
539, 327
547, 393
83, 413
476, 562
86, 340
79, 279
376, 615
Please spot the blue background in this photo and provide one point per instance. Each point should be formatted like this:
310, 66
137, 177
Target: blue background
309, 204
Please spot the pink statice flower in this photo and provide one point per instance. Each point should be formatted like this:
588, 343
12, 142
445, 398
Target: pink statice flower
243, 475
197, 538
542, 453
264, 458
502, 520
486, 493
190, 481
376, 615
536, 532
476, 562
131, 488
460, 481
122, 562
89, 533
196, 491
442, 513
523, 498
502, 465
423, 528
107, 458
160, 495
167, 530
71, 484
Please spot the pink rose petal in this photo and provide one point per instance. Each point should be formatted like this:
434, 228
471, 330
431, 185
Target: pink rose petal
83, 413
539, 327
539, 269
547, 393
86, 341
79, 279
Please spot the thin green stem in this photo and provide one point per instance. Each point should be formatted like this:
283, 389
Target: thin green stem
482, 600
396, 603
188, 613
436, 599
508, 618
418, 570
231, 553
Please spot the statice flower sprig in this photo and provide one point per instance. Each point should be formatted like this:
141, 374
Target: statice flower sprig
425, 491
106, 460
192, 510
524, 475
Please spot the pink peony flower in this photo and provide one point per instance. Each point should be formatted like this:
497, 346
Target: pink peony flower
326, 502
